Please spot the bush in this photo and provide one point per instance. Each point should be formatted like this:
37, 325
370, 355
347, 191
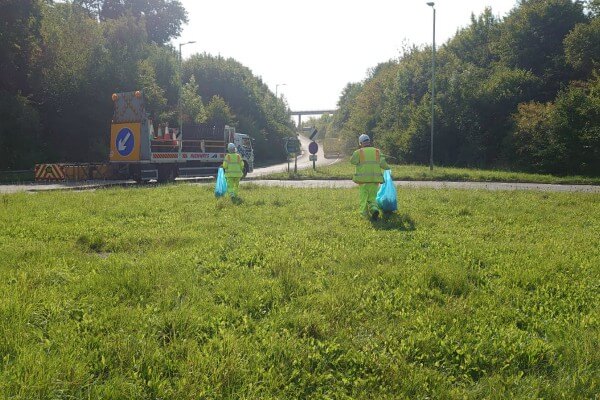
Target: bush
19, 132
563, 136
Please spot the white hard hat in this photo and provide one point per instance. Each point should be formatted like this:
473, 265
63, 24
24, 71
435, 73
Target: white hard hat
363, 139
231, 147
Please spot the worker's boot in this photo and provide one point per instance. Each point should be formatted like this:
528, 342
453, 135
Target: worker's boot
374, 214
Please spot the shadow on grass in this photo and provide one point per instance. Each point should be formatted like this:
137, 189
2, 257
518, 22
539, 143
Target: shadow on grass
222, 202
237, 200
394, 221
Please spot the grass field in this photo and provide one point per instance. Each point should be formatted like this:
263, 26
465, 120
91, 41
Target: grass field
166, 293
344, 170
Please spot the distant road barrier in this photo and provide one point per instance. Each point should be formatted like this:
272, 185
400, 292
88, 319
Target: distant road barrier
74, 172
49, 172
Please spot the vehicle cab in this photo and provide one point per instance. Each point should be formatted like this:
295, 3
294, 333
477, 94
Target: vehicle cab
243, 143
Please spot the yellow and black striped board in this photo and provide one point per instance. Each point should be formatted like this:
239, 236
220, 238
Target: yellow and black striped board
49, 172
88, 171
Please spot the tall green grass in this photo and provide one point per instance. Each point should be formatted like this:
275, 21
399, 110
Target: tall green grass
165, 292
344, 170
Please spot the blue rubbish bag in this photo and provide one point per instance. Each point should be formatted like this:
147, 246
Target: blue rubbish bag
386, 196
221, 186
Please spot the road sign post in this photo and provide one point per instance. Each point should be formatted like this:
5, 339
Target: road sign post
313, 148
292, 147
313, 158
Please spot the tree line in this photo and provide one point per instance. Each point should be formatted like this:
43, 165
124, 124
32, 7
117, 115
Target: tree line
61, 61
518, 92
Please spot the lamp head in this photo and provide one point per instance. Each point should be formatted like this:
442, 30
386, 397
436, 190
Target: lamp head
430, 3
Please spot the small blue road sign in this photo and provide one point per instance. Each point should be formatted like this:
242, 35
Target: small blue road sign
125, 142
292, 145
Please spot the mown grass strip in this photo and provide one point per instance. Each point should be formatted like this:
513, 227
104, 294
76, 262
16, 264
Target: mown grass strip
344, 170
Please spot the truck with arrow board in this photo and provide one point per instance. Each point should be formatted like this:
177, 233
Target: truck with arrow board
143, 153
139, 152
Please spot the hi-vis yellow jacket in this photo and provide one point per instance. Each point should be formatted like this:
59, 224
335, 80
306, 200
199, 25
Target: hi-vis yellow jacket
233, 165
369, 164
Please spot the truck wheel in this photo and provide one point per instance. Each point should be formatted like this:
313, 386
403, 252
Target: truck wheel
166, 174
246, 169
135, 173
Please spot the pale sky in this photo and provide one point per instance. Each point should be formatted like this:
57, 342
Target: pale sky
317, 47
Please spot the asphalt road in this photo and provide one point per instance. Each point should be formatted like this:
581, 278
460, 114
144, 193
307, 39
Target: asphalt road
303, 161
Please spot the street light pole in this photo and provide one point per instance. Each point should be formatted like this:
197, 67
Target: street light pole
432, 5
277, 87
181, 87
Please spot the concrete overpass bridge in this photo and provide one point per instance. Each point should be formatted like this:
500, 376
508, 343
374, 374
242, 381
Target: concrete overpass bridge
310, 112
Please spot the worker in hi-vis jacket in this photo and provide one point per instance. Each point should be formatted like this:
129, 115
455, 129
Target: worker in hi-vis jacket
370, 164
233, 166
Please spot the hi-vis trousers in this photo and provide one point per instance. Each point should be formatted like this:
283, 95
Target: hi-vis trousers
368, 195
233, 184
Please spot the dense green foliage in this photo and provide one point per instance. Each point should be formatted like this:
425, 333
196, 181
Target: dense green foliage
256, 110
61, 61
462, 295
163, 19
564, 135
17, 115
541, 61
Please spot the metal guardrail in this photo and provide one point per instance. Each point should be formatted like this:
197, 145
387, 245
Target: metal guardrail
19, 171
16, 176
